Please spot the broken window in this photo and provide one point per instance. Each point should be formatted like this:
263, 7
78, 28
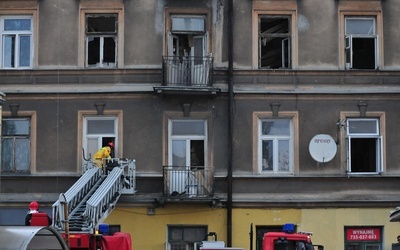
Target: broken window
101, 41
361, 43
274, 42
16, 42
187, 51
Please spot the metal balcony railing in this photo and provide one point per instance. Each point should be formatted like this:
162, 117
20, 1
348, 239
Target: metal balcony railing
187, 71
188, 181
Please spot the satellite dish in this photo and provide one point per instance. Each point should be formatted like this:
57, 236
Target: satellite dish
322, 148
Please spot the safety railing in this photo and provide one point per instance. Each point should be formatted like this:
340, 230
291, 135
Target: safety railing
129, 172
187, 71
188, 181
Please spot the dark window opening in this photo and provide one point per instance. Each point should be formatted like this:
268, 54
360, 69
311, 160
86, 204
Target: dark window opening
274, 42
197, 153
109, 50
94, 50
101, 24
363, 155
363, 53
101, 38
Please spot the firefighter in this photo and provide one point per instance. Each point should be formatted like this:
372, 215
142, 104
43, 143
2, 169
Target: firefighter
33, 209
104, 152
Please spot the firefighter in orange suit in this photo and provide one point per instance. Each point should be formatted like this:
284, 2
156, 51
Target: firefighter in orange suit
104, 152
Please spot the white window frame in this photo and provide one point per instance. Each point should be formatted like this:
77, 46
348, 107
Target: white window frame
354, 9
259, 116
188, 138
18, 35
349, 41
99, 137
275, 140
371, 135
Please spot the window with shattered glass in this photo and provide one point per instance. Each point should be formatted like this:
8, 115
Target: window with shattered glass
274, 42
101, 40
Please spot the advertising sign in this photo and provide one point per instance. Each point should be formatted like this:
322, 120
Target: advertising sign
363, 234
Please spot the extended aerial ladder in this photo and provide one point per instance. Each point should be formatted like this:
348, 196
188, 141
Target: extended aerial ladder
79, 211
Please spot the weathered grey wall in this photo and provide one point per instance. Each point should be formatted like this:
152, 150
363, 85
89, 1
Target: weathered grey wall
58, 34
318, 34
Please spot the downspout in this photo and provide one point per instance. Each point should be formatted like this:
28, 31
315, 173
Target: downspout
230, 123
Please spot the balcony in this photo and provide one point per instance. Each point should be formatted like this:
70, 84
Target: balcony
188, 182
192, 75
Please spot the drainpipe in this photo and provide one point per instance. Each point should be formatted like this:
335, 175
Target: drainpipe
230, 123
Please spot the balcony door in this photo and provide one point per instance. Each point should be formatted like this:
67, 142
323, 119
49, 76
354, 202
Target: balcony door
187, 49
187, 149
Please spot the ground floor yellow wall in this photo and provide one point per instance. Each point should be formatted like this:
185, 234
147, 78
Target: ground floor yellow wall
149, 232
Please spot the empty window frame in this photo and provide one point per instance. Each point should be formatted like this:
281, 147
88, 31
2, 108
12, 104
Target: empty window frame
364, 146
275, 146
361, 43
182, 237
15, 145
16, 42
101, 40
274, 42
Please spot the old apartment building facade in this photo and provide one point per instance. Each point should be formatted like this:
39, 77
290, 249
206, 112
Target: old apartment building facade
288, 109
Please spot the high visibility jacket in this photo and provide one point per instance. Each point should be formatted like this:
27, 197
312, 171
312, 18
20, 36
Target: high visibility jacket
104, 152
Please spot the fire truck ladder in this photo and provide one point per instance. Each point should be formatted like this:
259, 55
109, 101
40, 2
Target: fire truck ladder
92, 198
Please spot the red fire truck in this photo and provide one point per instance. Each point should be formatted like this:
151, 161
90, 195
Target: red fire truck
289, 240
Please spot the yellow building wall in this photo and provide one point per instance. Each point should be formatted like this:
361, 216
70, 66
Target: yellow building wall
149, 232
